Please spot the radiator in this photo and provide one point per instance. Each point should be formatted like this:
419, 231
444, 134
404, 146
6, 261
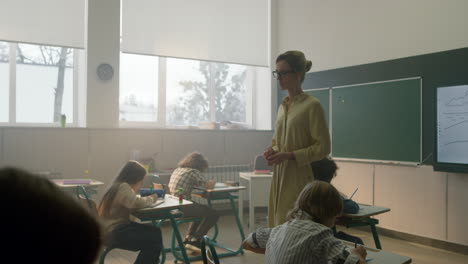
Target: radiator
223, 173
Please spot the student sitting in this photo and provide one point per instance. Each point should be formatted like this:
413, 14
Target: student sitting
44, 224
306, 237
325, 170
115, 209
186, 176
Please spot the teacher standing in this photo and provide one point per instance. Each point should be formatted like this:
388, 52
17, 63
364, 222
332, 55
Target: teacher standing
301, 137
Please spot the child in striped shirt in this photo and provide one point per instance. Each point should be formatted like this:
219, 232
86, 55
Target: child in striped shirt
306, 237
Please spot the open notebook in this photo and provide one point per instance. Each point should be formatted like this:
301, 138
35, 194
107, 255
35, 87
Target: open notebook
220, 185
158, 202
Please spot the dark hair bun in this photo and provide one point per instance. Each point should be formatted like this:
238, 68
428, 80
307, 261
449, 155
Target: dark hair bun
308, 65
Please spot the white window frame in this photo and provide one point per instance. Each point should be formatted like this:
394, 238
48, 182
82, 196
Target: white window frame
160, 121
162, 104
12, 93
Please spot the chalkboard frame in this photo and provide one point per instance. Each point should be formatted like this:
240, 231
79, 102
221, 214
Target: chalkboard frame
403, 162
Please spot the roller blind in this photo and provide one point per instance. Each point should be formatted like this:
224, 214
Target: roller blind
49, 22
213, 30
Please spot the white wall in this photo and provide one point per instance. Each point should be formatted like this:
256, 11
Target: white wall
340, 33
422, 202
103, 152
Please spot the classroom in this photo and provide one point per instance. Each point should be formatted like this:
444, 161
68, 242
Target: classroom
87, 85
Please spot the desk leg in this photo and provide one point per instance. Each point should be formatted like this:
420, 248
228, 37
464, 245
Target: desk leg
238, 222
232, 252
162, 258
179, 240
241, 206
85, 194
251, 209
216, 230
375, 234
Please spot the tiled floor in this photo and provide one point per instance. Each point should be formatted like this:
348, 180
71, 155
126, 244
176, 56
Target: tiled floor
420, 254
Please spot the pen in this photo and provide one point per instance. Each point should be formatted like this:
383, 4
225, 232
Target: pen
353, 193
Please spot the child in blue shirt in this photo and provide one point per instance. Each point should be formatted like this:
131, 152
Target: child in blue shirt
325, 170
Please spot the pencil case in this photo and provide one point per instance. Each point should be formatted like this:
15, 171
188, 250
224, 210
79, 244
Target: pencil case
146, 192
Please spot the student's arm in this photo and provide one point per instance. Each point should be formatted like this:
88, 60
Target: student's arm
257, 241
320, 146
198, 178
247, 246
335, 251
127, 198
350, 206
361, 252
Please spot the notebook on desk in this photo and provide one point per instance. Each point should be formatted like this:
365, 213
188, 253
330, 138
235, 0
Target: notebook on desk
158, 202
73, 181
220, 185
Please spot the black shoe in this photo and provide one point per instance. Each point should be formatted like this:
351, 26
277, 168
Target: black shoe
194, 246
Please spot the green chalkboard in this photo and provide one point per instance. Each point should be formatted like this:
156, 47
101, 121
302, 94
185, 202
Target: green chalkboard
323, 95
377, 121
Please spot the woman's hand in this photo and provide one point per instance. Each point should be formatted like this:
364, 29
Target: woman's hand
279, 157
268, 152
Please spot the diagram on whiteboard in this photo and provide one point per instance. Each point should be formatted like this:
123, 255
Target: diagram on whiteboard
452, 124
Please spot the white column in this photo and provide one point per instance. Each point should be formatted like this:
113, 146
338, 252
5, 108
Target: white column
103, 46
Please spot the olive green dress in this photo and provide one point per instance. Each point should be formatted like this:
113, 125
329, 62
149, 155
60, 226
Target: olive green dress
300, 128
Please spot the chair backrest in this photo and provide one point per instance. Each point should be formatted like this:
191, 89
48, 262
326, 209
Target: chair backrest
89, 205
208, 250
260, 163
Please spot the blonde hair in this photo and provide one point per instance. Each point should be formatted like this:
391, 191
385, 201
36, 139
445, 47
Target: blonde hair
297, 61
194, 160
320, 200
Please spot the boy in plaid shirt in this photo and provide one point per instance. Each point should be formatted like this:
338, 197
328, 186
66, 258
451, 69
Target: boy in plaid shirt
186, 176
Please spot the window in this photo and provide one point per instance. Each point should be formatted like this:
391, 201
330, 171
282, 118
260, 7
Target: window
138, 88
44, 84
192, 92
187, 92
230, 89
4, 81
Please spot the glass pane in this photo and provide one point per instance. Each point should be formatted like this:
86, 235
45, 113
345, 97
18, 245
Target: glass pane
4, 80
44, 84
138, 88
230, 92
187, 92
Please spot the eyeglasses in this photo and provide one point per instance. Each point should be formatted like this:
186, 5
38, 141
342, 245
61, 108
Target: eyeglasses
278, 74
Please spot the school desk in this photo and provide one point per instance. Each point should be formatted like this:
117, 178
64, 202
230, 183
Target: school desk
258, 186
378, 256
364, 218
159, 214
83, 186
223, 192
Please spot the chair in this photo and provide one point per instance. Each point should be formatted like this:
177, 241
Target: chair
209, 254
260, 163
90, 205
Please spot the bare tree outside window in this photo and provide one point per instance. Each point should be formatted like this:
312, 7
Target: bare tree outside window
59, 57
4, 51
